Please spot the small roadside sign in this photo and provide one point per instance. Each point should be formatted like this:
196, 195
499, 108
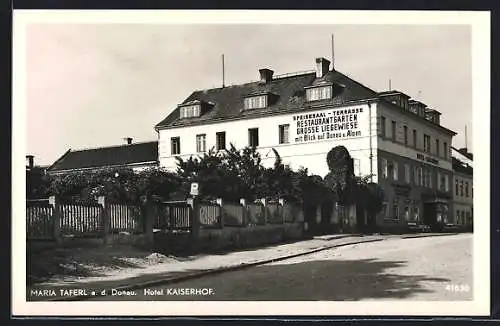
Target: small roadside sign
194, 189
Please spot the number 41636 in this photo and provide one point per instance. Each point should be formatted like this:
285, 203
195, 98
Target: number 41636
457, 288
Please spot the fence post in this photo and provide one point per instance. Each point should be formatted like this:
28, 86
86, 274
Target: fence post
56, 217
281, 208
264, 210
194, 221
221, 216
244, 216
105, 218
149, 220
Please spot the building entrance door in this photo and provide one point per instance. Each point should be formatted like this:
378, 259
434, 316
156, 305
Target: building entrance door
430, 215
435, 215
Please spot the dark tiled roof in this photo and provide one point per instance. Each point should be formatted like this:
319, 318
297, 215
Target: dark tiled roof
290, 96
394, 92
107, 156
464, 152
461, 167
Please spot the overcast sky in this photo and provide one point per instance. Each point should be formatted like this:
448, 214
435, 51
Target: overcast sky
92, 85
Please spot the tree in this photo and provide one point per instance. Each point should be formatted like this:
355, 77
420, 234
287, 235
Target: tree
370, 195
341, 175
117, 184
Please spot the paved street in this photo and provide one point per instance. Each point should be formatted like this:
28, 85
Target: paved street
432, 268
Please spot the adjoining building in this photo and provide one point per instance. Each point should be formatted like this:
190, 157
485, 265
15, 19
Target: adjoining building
34, 176
463, 202
137, 156
397, 141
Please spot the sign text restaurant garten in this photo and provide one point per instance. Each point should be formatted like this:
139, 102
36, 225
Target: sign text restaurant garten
329, 124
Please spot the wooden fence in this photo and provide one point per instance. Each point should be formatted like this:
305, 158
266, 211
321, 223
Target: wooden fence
39, 219
53, 219
174, 215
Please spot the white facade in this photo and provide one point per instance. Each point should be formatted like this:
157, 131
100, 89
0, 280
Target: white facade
311, 135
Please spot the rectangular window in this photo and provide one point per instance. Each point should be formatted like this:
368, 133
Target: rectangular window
446, 183
220, 140
256, 102
190, 111
319, 93
253, 137
466, 189
383, 126
393, 130
442, 182
175, 145
201, 144
431, 177
437, 148
407, 212
456, 187
461, 188
383, 167
395, 171
384, 210
445, 150
457, 217
426, 178
420, 176
405, 130
415, 138
283, 130
416, 211
395, 209
427, 143
407, 173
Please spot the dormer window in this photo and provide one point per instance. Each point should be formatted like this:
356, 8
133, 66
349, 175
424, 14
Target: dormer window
190, 111
256, 102
319, 93
396, 98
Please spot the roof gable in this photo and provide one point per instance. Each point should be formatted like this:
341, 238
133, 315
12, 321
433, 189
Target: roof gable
107, 156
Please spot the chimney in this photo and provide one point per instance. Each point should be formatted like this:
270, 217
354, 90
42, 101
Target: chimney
128, 140
322, 67
30, 159
266, 75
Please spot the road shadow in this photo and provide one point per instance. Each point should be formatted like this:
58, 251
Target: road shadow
316, 280
329, 280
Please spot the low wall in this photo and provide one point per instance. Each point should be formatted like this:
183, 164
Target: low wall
230, 238
250, 236
122, 238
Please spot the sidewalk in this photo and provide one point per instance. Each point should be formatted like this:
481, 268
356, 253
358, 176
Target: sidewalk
197, 266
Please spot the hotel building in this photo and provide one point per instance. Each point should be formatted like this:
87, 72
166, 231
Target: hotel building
397, 141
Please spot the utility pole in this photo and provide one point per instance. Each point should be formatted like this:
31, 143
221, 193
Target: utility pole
223, 73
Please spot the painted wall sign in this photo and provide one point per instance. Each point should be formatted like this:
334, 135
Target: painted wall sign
429, 159
340, 123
